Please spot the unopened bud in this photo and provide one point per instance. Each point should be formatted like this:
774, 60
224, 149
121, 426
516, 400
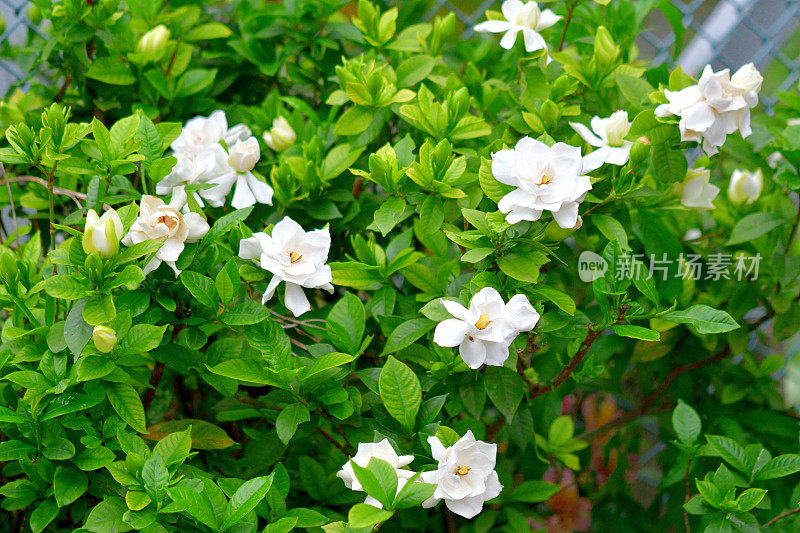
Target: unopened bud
606, 50
244, 155
640, 150
104, 338
154, 42
281, 136
101, 235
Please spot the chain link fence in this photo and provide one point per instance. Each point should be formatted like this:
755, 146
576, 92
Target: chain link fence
722, 33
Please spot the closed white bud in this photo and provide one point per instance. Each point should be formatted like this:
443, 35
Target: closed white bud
281, 136
102, 234
154, 42
104, 338
244, 155
745, 187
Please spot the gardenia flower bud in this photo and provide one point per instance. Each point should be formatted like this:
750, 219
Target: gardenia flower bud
745, 187
605, 49
244, 155
640, 150
101, 235
154, 41
608, 136
696, 191
104, 338
465, 477
281, 136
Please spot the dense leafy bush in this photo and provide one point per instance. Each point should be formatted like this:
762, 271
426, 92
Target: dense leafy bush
494, 271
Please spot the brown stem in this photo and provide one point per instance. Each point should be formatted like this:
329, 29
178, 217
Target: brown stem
76, 196
332, 441
688, 494
648, 403
591, 336
782, 515
567, 20
450, 520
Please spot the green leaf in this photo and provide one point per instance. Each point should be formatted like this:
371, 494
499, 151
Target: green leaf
686, 423
245, 499
706, 319
353, 121
288, 419
400, 392
561, 431
126, 402
413, 493
245, 370
202, 288
505, 388
533, 491
142, 338
782, 465
362, 515
523, 266
612, 230
750, 498
174, 448
99, 309
110, 70
106, 516
406, 333
309, 375
345, 324
156, 478
225, 223
205, 435
41, 517
245, 314
414, 69
389, 214
69, 484
12, 450
753, 226
379, 480
65, 287
636, 332
731, 452
209, 30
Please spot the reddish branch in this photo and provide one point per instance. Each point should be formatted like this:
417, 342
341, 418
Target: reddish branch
591, 336
782, 515
155, 379
650, 401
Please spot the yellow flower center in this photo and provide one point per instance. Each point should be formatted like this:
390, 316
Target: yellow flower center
294, 257
462, 470
483, 321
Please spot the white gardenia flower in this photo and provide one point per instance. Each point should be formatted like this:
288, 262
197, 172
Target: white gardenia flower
745, 187
608, 136
200, 133
294, 256
696, 191
101, 234
525, 17
281, 136
717, 106
380, 450
547, 178
484, 332
465, 477
164, 223
202, 166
